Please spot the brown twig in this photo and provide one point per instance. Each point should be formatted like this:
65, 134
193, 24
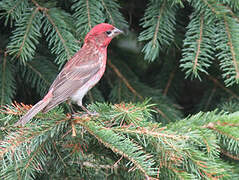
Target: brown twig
172, 74
162, 113
38, 73
54, 145
38, 6
229, 155
118, 73
217, 83
210, 97
107, 11
150, 132
199, 44
158, 23
3, 76
88, 14
212, 126
27, 31
230, 43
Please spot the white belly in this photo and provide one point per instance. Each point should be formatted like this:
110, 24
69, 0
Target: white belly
81, 92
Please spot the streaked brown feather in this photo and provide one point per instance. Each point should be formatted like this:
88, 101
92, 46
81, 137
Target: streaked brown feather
74, 75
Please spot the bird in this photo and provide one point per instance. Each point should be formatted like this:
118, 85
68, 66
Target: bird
79, 74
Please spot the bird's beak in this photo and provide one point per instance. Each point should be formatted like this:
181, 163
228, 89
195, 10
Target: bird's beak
117, 32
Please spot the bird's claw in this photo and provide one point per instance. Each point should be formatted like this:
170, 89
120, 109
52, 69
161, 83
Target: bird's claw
93, 113
84, 114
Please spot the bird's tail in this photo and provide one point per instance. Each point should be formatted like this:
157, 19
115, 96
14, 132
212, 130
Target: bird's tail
34, 110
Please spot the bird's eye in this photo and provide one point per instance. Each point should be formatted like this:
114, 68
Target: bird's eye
108, 32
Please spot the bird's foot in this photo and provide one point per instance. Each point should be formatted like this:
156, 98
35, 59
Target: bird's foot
84, 114
93, 113
79, 115
89, 112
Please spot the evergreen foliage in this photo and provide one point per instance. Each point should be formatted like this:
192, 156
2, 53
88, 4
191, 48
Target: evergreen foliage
198, 47
58, 27
39, 73
25, 37
152, 122
7, 81
159, 24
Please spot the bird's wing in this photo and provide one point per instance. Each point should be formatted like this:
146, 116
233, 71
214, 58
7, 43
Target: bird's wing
71, 78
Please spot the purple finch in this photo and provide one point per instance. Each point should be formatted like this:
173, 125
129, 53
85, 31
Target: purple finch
79, 74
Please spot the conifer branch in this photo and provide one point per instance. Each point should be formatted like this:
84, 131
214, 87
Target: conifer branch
155, 36
158, 23
198, 44
234, 16
198, 50
107, 11
216, 126
113, 15
35, 153
88, 14
124, 79
217, 83
59, 34
11, 10
171, 77
215, 7
143, 163
228, 54
58, 26
230, 155
54, 145
154, 132
210, 6
7, 80
38, 73
18, 136
162, 114
129, 86
13, 142
26, 36
27, 31
231, 48
3, 81
209, 99
172, 154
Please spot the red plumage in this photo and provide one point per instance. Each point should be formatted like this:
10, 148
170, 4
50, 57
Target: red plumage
79, 74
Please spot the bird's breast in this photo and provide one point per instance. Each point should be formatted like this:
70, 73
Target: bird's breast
81, 92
